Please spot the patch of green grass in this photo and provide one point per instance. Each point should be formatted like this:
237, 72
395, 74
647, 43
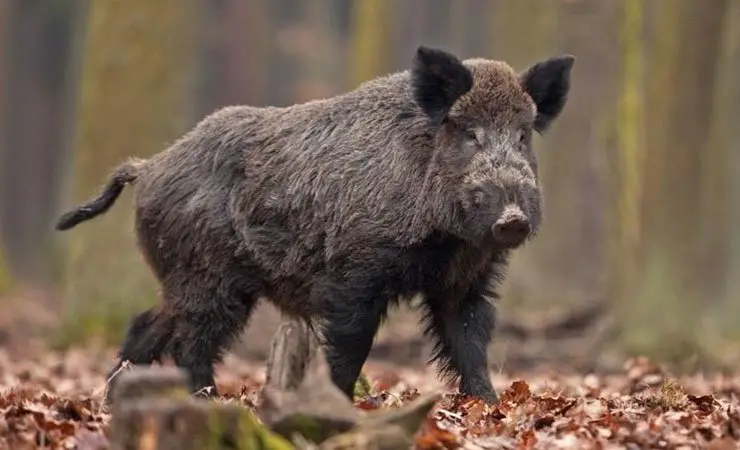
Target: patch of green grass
105, 325
363, 387
663, 322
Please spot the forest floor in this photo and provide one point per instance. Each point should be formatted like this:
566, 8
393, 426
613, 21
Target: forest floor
52, 400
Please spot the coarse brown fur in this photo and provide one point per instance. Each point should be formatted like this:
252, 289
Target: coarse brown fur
418, 182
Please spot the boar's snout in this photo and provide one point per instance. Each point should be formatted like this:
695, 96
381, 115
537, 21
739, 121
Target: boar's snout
512, 228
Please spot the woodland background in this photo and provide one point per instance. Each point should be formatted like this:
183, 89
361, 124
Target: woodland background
638, 254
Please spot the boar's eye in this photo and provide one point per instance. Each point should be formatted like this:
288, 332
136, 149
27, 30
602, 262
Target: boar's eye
471, 136
522, 135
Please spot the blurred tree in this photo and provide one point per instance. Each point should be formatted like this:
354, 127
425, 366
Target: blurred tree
137, 72
642, 331
721, 193
521, 32
37, 43
573, 161
571, 154
283, 65
4, 18
4, 275
564, 270
439, 23
625, 248
414, 33
679, 106
715, 170
469, 25
236, 54
521, 38
371, 52
459, 12
247, 51
320, 70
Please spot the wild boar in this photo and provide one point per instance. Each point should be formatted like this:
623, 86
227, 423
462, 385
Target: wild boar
418, 182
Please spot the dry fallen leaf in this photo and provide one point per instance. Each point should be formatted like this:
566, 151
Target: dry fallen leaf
518, 392
53, 400
434, 437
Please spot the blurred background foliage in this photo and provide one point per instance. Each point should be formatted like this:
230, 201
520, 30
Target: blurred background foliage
638, 254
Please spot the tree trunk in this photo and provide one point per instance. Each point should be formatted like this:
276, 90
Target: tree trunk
726, 136
138, 70
716, 175
36, 49
519, 48
574, 151
292, 349
679, 105
4, 273
237, 55
371, 49
625, 248
320, 70
4, 7
518, 35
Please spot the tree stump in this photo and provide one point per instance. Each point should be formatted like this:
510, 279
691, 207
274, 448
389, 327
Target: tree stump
298, 387
294, 346
149, 381
153, 409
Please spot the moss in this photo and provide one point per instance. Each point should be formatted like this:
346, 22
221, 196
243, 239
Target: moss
363, 387
253, 432
308, 427
250, 434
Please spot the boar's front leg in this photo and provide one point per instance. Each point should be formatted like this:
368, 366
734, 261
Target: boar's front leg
351, 311
462, 329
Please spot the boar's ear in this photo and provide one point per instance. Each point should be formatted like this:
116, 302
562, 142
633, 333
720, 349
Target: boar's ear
438, 79
548, 83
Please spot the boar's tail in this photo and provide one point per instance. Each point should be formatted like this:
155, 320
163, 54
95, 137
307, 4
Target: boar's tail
123, 175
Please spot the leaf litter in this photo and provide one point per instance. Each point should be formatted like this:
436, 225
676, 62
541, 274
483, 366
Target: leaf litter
54, 401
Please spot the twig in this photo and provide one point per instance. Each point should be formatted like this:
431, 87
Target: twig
124, 366
204, 390
450, 414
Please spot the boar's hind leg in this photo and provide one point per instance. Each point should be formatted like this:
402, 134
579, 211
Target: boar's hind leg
352, 312
463, 331
145, 342
204, 330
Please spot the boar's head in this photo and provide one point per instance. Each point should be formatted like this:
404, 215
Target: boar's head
482, 116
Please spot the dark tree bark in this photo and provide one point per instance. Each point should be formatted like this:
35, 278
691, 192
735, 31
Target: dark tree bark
37, 75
